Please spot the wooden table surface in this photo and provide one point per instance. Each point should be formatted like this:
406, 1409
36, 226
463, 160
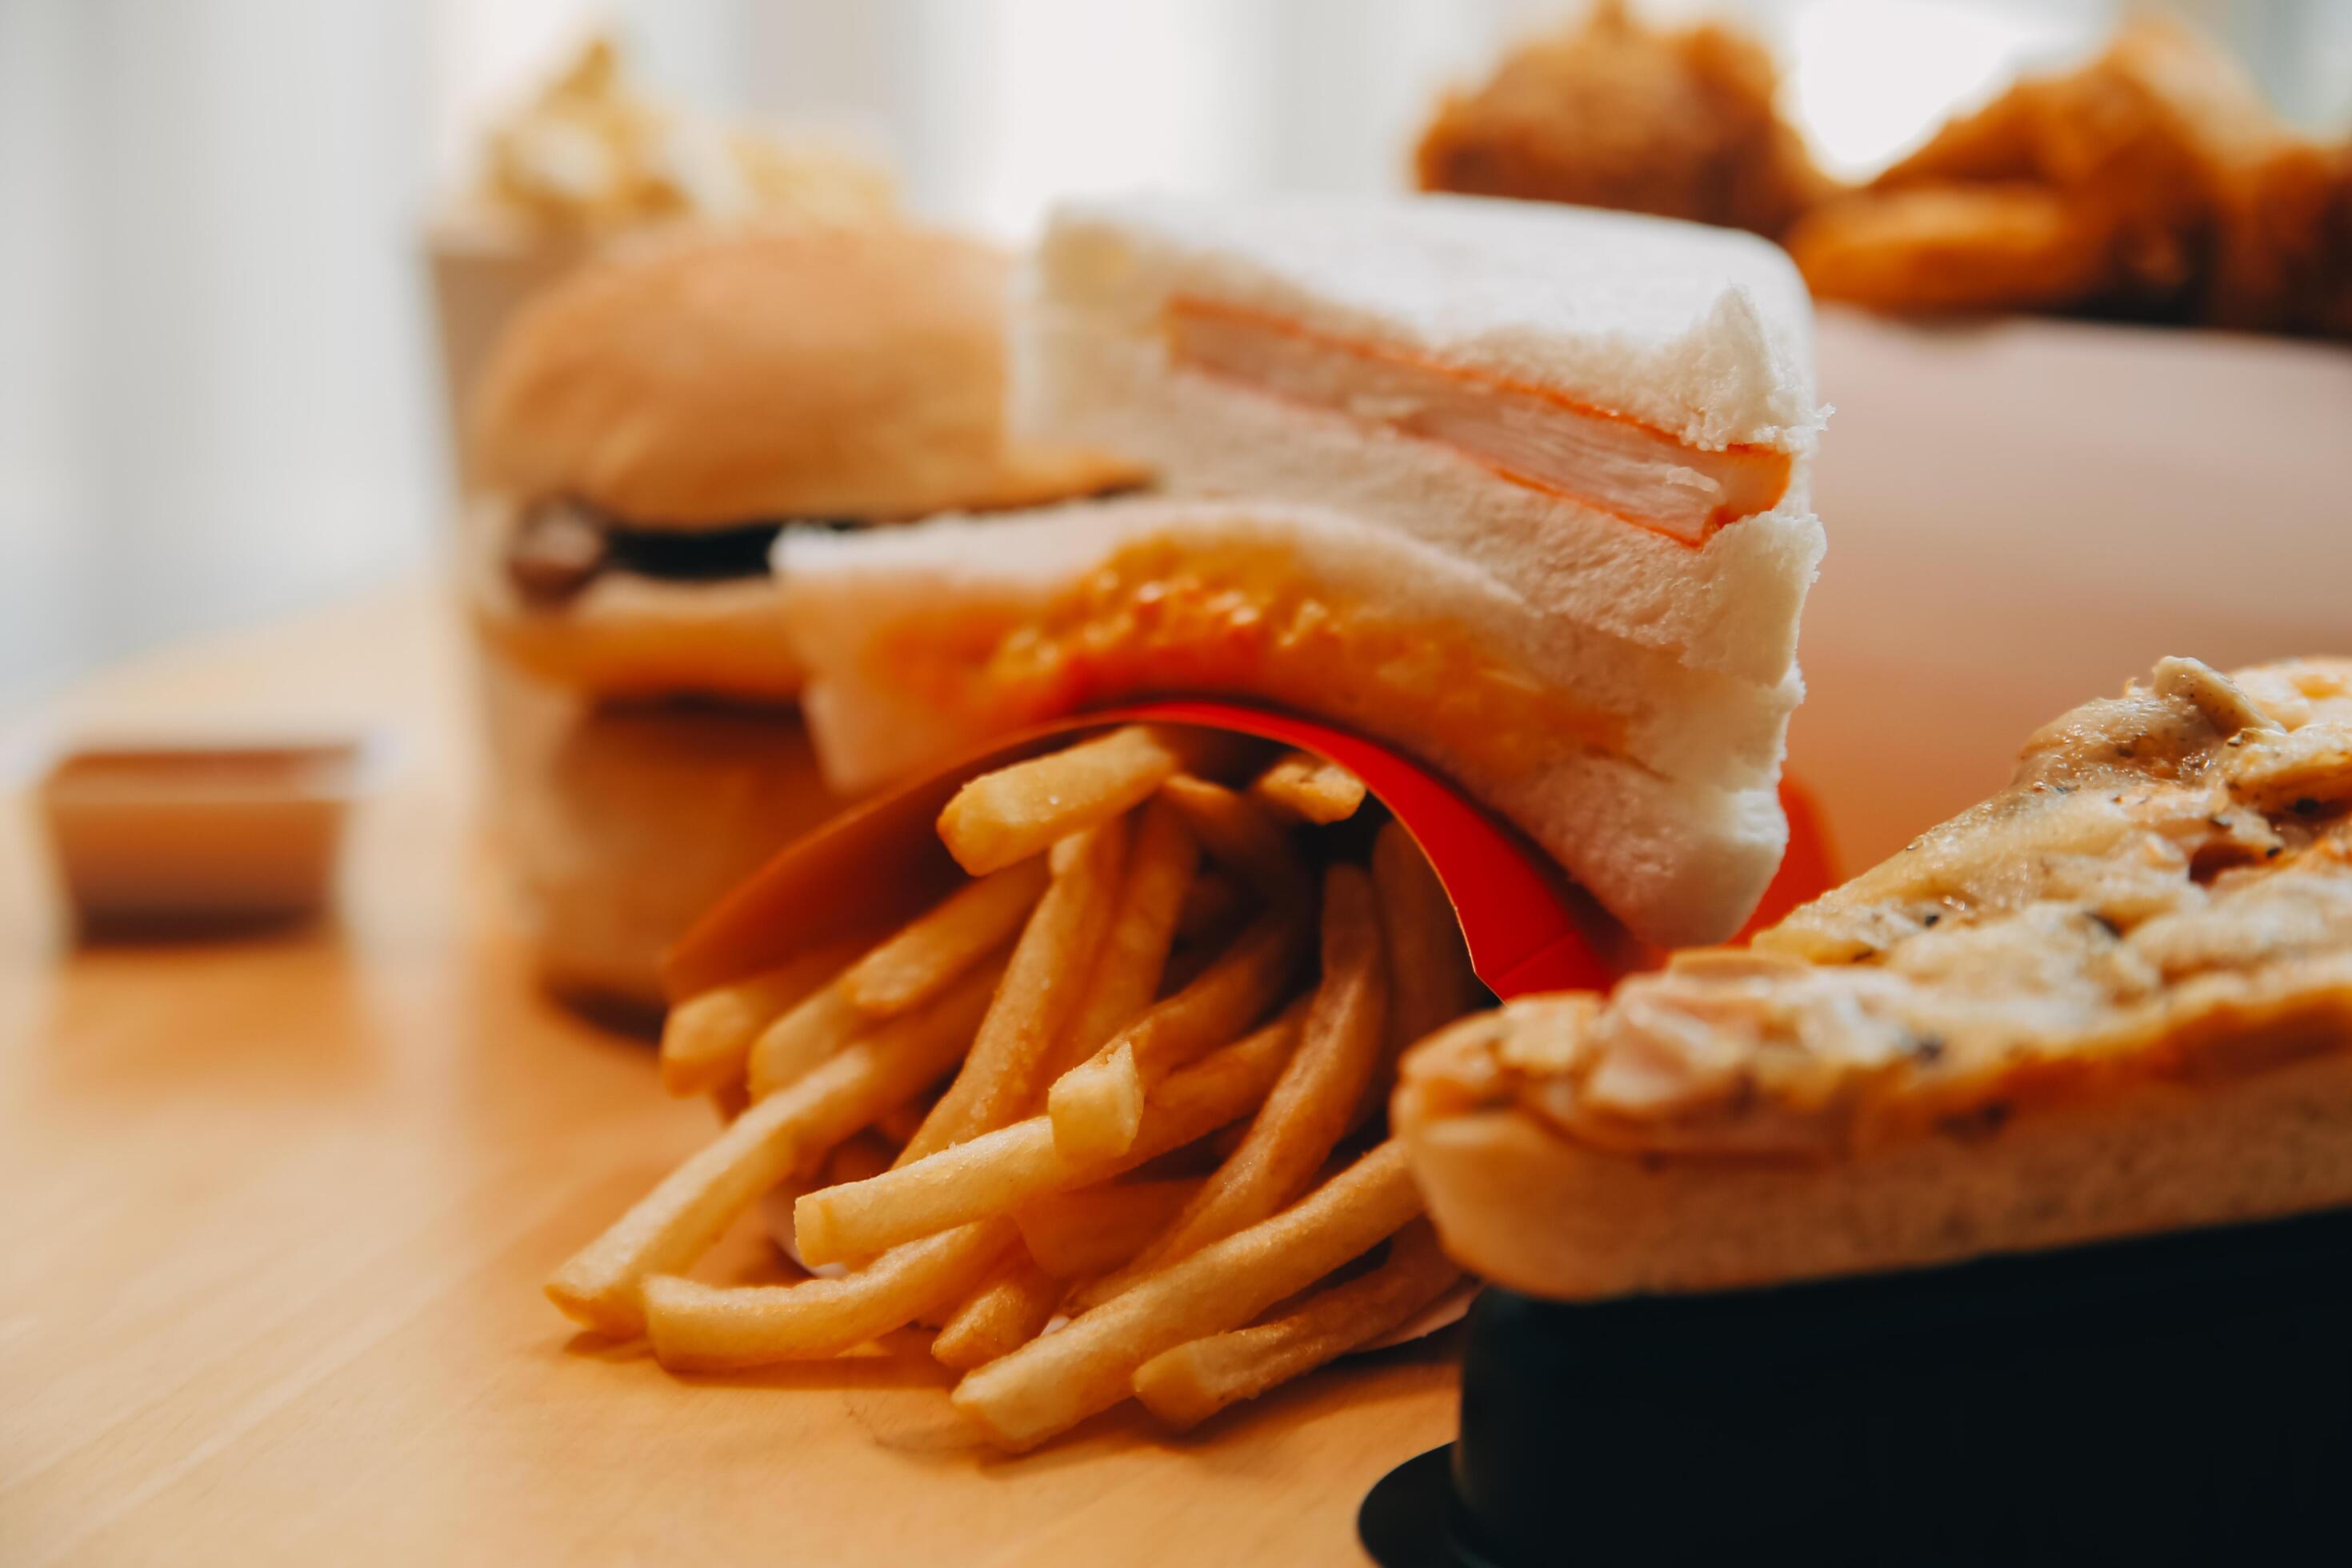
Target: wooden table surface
278, 1210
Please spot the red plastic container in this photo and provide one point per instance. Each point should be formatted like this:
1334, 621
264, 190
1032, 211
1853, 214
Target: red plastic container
1528, 927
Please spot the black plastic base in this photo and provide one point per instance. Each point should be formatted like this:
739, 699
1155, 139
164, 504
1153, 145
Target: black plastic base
1408, 1520
2185, 1398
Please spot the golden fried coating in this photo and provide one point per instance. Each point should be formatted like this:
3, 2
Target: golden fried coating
2161, 99
1956, 247
2282, 258
1617, 114
2152, 183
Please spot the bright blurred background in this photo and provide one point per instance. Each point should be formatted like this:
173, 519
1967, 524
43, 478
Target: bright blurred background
218, 381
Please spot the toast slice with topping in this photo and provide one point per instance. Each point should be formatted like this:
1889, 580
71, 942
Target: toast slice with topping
2114, 998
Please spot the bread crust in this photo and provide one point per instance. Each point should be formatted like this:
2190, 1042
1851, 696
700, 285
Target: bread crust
1545, 1214
710, 380
627, 637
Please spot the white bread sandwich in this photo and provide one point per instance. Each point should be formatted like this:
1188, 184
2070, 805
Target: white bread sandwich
2114, 999
646, 429
1613, 413
1520, 490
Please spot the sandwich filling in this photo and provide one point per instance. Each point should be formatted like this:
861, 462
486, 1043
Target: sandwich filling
1529, 435
1164, 614
2164, 892
559, 547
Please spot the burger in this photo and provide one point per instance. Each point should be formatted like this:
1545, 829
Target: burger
642, 434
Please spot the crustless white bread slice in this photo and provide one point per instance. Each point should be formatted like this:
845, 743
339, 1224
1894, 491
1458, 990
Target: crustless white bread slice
1651, 782
1613, 414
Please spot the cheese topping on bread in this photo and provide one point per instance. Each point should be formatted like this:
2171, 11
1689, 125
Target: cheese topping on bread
2164, 892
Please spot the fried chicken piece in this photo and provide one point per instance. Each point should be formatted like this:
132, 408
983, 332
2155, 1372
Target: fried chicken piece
2283, 261
1617, 114
2153, 183
1956, 247
2161, 99
2154, 134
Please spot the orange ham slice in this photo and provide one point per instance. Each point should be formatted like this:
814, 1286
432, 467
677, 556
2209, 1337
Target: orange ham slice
1528, 435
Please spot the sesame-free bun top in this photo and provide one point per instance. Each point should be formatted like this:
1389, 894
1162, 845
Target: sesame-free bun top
709, 379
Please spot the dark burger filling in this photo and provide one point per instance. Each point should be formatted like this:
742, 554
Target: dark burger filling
561, 546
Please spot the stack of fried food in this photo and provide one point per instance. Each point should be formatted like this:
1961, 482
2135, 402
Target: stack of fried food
1614, 113
1108, 1081
2152, 184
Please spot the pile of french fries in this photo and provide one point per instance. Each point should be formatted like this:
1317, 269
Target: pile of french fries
1110, 1117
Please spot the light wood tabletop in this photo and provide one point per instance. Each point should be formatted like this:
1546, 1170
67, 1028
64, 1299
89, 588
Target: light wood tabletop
278, 1210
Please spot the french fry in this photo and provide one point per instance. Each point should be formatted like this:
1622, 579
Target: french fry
1226, 998
1057, 1380
680, 1219
956, 1012
927, 955
1065, 852
1097, 1108
1134, 952
1022, 810
825, 1022
996, 1171
706, 1038
1308, 789
695, 1326
1078, 1235
1431, 983
1239, 835
1310, 1106
1213, 905
1011, 1307
1107, 996
1192, 1381
1004, 1072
